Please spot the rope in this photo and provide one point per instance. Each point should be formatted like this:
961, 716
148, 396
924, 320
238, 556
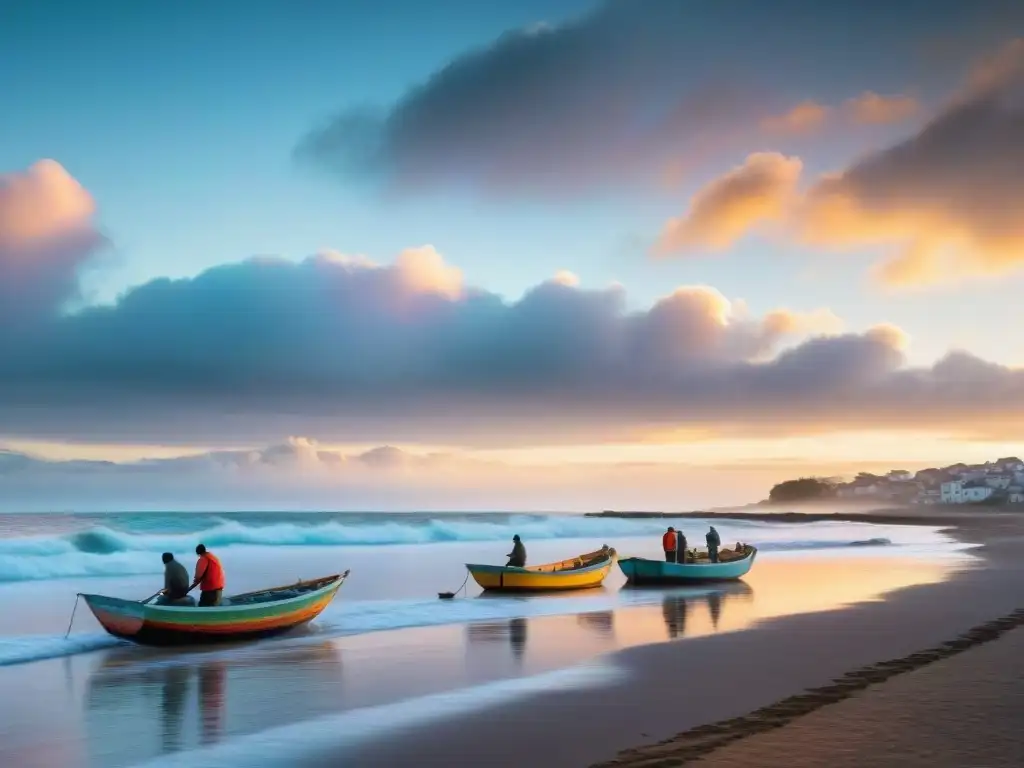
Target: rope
68, 633
446, 595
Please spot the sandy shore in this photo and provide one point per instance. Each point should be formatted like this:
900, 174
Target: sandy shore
672, 688
962, 711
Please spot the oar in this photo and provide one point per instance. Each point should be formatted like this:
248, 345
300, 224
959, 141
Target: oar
151, 597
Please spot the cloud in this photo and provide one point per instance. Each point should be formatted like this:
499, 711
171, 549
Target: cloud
46, 236
726, 208
626, 92
805, 117
947, 203
869, 108
349, 351
873, 109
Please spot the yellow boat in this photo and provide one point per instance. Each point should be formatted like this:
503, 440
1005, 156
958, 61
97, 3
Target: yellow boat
582, 572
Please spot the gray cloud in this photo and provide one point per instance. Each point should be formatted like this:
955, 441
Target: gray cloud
349, 351
633, 89
345, 350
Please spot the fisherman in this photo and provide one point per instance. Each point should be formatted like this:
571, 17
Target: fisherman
669, 541
175, 580
680, 547
714, 542
209, 577
517, 557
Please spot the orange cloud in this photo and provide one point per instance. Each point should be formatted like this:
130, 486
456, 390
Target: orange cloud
946, 204
819, 321
805, 117
726, 208
423, 270
873, 109
42, 203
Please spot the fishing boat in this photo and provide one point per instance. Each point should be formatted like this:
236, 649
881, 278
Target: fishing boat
246, 616
732, 564
582, 572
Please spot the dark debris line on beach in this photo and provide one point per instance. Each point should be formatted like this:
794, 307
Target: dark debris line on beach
698, 742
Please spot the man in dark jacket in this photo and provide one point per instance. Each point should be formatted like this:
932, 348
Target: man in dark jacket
517, 557
680, 547
714, 542
175, 579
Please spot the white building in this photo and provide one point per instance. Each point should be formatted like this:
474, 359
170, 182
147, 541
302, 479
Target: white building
952, 492
959, 492
1015, 494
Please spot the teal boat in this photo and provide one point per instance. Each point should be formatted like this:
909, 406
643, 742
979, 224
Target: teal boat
732, 565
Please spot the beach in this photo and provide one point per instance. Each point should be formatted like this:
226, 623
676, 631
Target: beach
390, 675
641, 717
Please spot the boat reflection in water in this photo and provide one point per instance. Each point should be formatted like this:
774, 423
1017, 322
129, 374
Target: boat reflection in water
195, 692
676, 608
512, 631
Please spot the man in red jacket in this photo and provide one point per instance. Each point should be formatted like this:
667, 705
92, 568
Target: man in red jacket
668, 543
209, 577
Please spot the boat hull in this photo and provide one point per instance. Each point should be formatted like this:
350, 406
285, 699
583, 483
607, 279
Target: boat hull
543, 578
188, 625
640, 570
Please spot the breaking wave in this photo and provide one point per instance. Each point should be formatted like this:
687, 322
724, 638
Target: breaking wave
103, 550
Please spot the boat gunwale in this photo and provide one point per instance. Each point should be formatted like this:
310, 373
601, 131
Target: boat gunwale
749, 556
597, 565
115, 603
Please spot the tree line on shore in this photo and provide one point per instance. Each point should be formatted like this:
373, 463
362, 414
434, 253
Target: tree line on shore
803, 489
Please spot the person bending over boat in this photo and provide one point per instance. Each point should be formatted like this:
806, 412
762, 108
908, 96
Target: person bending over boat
517, 557
209, 577
175, 580
669, 542
714, 542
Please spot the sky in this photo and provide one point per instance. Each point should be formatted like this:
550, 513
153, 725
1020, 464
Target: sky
661, 252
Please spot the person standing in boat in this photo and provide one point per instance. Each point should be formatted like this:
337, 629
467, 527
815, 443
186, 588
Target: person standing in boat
669, 542
175, 580
209, 578
680, 547
714, 542
517, 557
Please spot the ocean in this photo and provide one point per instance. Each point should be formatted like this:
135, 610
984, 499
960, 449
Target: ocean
400, 644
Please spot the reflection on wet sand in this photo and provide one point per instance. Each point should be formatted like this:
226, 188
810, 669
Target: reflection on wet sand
212, 680
601, 622
174, 694
675, 607
194, 691
513, 630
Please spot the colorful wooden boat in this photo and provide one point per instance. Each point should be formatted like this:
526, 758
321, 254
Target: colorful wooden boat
731, 565
240, 617
582, 572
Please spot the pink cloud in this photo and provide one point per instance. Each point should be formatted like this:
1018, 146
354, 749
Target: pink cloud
46, 235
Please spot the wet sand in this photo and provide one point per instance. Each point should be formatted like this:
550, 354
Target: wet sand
962, 711
671, 688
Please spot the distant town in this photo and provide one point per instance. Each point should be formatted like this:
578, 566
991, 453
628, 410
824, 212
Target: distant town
994, 482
